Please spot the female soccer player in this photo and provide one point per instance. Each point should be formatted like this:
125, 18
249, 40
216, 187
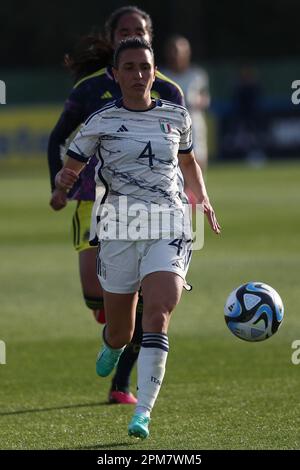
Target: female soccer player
139, 164
96, 87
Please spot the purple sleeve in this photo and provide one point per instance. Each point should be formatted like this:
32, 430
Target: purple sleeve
168, 90
69, 120
177, 97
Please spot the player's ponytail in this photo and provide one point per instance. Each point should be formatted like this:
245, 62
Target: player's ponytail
90, 54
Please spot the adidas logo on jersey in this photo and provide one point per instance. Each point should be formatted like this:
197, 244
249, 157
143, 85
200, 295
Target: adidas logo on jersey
106, 95
122, 129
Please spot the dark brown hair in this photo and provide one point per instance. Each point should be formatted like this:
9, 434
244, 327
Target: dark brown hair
131, 43
113, 20
89, 54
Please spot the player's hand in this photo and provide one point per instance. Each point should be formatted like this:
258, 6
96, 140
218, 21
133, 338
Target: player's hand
65, 179
58, 199
211, 216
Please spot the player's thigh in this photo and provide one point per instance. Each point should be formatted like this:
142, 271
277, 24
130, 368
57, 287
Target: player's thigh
163, 270
161, 291
87, 254
118, 266
166, 256
88, 273
120, 317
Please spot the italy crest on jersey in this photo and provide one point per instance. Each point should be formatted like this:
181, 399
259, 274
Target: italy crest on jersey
165, 126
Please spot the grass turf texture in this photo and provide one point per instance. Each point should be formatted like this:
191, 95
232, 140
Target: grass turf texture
219, 392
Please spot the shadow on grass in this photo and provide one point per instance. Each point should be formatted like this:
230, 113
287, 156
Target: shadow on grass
54, 408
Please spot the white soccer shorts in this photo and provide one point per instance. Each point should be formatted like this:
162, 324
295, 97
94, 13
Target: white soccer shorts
122, 265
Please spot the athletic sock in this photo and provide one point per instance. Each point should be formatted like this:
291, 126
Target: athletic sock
151, 369
126, 362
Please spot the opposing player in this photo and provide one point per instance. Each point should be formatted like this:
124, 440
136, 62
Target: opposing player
95, 87
139, 164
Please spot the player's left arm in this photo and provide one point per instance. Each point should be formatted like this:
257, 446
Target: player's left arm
194, 180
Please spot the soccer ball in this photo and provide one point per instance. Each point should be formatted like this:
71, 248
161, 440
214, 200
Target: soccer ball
254, 311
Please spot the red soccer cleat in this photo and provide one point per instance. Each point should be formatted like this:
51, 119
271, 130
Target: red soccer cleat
99, 315
121, 398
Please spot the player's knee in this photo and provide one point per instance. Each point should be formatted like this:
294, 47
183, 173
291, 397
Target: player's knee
94, 303
118, 338
159, 306
157, 321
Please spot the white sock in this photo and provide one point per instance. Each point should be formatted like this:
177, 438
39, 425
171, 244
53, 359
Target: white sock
151, 369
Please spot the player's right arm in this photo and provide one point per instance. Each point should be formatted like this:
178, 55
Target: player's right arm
81, 149
68, 175
70, 119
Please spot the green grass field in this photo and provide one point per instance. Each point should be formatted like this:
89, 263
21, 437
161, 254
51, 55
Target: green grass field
219, 392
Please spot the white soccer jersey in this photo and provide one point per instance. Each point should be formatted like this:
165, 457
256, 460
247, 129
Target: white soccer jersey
137, 152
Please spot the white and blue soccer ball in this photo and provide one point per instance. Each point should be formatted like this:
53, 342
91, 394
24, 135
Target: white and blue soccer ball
254, 311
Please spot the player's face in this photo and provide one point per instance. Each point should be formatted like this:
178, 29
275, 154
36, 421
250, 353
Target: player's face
131, 25
135, 73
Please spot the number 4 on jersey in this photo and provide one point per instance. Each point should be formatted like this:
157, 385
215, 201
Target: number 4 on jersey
147, 153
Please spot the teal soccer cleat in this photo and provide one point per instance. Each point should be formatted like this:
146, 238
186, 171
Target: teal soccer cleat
107, 359
138, 426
